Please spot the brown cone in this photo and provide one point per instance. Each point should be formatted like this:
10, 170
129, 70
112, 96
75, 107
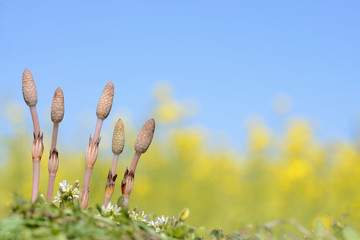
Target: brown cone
57, 106
145, 136
105, 102
29, 89
118, 139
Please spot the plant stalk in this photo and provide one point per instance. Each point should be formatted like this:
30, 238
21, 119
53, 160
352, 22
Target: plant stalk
86, 183
52, 172
126, 200
135, 162
88, 170
50, 189
97, 130
35, 120
106, 201
114, 164
36, 162
54, 136
36, 177
87, 178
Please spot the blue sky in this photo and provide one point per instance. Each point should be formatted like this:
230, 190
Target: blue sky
233, 57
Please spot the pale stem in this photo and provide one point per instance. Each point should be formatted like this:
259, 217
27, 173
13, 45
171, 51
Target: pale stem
35, 120
135, 162
88, 171
126, 201
50, 189
106, 201
86, 182
97, 129
35, 183
114, 164
54, 136
87, 178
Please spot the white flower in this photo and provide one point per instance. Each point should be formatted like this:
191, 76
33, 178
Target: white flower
138, 216
67, 192
163, 220
158, 224
110, 211
116, 210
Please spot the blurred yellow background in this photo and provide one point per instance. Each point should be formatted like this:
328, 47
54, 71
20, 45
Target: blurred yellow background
276, 177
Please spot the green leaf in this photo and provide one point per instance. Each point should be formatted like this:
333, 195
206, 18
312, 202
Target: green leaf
319, 226
200, 232
350, 234
217, 233
98, 207
120, 200
179, 231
